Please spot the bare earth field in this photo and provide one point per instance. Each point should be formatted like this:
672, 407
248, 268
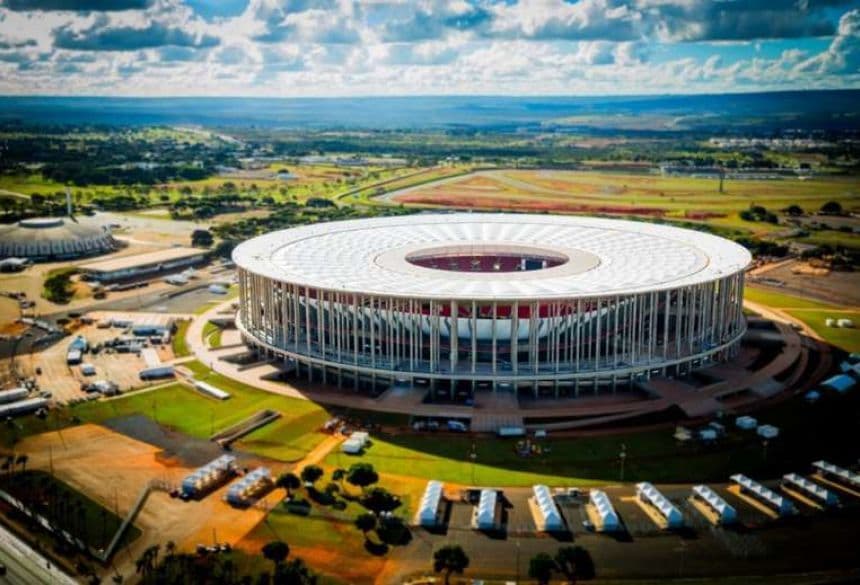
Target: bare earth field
112, 469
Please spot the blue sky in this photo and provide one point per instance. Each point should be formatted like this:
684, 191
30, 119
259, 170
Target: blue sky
427, 47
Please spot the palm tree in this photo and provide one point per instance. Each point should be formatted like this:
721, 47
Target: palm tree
288, 481
451, 558
541, 567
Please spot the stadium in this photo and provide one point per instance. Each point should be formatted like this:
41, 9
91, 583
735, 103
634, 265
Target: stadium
540, 305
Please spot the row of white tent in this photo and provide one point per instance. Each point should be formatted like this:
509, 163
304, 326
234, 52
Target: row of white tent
726, 514
485, 513
242, 490
799, 483
839, 474
550, 517
428, 509
650, 495
205, 477
782, 505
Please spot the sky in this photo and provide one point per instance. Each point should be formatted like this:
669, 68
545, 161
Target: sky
292, 48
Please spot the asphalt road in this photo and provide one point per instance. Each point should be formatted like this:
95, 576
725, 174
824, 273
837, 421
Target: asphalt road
25, 566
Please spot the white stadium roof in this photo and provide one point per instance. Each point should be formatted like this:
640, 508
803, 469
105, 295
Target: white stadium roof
605, 256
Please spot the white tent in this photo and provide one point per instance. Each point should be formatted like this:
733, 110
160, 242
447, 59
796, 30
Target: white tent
649, 494
838, 473
605, 510
550, 516
250, 484
428, 509
485, 515
746, 422
767, 431
840, 383
351, 446
768, 496
800, 483
726, 513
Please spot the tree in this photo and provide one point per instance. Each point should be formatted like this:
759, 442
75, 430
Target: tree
380, 500
288, 481
276, 551
294, 572
365, 522
794, 210
311, 473
451, 558
831, 208
338, 475
362, 475
574, 562
541, 567
201, 238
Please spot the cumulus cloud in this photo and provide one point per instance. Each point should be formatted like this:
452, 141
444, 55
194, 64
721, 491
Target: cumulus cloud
165, 23
843, 54
335, 47
77, 5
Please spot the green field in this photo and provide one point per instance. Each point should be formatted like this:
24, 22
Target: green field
814, 314
778, 300
843, 338
180, 345
183, 409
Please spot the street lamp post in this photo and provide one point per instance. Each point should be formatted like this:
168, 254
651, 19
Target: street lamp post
473, 455
622, 457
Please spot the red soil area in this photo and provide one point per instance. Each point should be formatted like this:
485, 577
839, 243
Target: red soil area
488, 202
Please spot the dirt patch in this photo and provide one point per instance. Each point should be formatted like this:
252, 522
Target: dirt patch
476, 201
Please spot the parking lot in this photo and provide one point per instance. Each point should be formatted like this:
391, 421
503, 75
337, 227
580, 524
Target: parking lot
65, 381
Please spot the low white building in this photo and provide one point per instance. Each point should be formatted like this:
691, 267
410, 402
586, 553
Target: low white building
428, 509
605, 511
550, 517
485, 512
650, 495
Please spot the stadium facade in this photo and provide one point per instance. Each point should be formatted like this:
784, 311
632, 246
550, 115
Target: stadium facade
543, 304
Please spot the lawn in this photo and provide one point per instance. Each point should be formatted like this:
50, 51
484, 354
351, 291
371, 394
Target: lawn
180, 346
186, 410
778, 300
843, 338
651, 455
55, 500
213, 333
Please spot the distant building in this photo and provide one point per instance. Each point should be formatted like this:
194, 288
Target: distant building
141, 265
55, 238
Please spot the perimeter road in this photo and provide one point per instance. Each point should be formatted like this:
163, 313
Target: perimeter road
25, 566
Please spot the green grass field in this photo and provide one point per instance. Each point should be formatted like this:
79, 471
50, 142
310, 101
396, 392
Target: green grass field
778, 300
843, 338
179, 344
181, 408
814, 314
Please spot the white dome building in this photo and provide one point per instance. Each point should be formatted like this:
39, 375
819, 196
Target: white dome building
55, 238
